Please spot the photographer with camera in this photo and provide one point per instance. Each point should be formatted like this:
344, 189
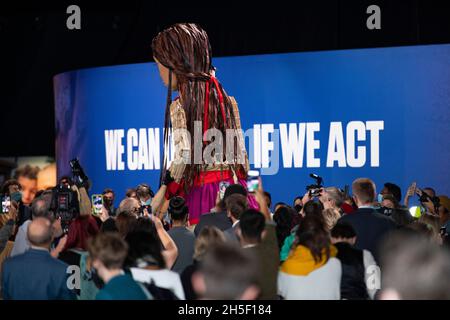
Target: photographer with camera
8, 227
152, 203
312, 191
70, 198
13, 189
40, 207
145, 195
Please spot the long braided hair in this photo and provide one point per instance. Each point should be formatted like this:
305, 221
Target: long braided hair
185, 50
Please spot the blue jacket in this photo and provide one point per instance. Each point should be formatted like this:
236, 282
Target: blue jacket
35, 275
122, 287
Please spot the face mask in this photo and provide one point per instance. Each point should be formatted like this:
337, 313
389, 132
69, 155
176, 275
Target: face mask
107, 202
380, 198
16, 196
146, 203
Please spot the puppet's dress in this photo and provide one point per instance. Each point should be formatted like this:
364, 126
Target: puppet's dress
201, 197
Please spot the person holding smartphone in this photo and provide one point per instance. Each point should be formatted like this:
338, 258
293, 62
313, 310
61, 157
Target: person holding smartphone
8, 228
13, 189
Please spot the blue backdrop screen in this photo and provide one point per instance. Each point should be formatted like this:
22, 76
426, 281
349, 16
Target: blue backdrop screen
378, 113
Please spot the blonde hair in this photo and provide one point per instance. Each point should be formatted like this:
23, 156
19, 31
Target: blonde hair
336, 195
209, 237
331, 216
433, 223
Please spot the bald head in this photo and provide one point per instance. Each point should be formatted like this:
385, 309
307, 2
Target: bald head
40, 232
40, 207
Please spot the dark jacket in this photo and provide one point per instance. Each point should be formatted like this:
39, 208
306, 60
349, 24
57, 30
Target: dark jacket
268, 257
216, 219
186, 281
35, 275
24, 214
370, 227
231, 235
185, 240
353, 284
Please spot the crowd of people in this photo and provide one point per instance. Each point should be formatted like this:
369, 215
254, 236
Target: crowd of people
330, 245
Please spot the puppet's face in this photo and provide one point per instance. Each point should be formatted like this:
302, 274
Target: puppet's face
164, 73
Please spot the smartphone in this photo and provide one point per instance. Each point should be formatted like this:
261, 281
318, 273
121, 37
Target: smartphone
223, 185
253, 181
97, 204
6, 204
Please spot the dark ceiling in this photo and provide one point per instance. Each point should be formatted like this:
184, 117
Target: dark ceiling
35, 43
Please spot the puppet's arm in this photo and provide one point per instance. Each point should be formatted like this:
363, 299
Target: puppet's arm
241, 144
181, 141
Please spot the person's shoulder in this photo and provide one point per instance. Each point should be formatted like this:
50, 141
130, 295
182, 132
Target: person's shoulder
214, 218
181, 231
103, 294
382, 217
201, 223
188, 234
56, 264
334, 261
208, 216
334, 264
172, 231
203, 219
360, 213
9, 264
347, 217
18, 259
367, 255
24, 226
170, 274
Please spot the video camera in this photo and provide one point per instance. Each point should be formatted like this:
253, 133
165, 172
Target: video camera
315, 189
65, 204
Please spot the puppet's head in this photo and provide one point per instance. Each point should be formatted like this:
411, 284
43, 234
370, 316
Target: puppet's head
183, 50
